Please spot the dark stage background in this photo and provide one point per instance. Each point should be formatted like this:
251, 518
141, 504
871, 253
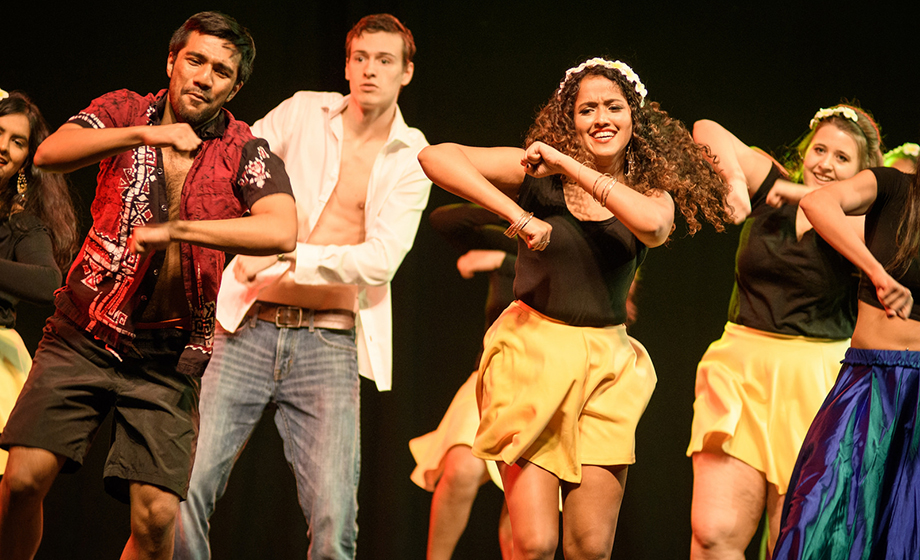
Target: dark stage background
482, 71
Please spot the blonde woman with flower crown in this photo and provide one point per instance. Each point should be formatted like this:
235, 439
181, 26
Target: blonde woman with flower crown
792, 312
903, 158
561, 386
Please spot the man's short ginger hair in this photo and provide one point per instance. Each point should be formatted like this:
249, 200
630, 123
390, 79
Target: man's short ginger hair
382, 23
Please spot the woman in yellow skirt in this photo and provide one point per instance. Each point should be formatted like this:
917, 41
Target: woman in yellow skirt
791, 315
561, 386
37, 237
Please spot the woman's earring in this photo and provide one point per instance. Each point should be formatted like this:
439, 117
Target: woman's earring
630, 161
21, 186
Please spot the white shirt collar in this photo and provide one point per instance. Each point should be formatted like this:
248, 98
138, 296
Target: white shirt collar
398, 129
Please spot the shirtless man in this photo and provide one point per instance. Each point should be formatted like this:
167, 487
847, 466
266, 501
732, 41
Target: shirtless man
299, 328
134, 323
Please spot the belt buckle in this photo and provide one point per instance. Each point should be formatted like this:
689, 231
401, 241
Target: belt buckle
283, 316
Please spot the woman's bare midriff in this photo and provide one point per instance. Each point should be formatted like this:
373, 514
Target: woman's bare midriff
876, 331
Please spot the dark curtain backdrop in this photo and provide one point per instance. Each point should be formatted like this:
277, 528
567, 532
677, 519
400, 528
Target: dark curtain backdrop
482, 71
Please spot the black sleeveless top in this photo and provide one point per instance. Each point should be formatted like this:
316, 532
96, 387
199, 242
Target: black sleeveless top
583, 276
788, 286
882, 221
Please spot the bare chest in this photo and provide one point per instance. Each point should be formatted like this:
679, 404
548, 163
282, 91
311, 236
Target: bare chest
176, 167
342, 220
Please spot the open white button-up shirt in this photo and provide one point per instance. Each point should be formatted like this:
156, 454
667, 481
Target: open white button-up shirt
306, 131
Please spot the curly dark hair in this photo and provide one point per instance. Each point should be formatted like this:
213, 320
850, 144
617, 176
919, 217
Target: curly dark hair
664, 156
47, 194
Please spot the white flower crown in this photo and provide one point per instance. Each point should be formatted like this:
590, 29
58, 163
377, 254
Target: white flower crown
847, 112
620, 67
4, 94
908, 149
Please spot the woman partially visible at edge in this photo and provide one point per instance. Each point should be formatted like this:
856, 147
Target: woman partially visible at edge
792, 311
38, 236
561, 386
903, 158
855, 490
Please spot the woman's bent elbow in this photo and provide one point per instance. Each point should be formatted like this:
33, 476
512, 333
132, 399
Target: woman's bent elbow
703, 130
658, 236
810, 201
739, 211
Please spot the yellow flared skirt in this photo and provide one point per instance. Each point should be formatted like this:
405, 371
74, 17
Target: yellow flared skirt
15, 363
757, 393
560, 396
458, 427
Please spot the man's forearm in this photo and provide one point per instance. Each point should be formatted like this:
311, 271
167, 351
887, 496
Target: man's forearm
263, 234
73, 147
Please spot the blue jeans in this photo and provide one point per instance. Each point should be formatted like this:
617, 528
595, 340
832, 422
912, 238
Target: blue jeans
312, 376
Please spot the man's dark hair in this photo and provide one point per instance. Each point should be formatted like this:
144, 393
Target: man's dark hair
221, 26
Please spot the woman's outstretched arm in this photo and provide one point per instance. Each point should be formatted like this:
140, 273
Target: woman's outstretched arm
489, 177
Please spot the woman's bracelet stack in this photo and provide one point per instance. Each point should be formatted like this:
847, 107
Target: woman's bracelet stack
515, 228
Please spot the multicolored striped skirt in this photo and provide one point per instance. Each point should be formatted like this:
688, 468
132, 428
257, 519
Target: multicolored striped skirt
855, 490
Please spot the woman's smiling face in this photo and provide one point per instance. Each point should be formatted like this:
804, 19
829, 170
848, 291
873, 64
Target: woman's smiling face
832, 155
14, 145
603, 121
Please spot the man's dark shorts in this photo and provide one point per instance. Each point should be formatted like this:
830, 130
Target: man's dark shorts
75, 381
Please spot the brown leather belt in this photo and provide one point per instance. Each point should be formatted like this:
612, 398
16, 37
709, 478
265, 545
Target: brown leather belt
292, 317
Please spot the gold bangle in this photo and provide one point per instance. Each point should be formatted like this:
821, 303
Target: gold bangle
594, 186
518, 225
607, 190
